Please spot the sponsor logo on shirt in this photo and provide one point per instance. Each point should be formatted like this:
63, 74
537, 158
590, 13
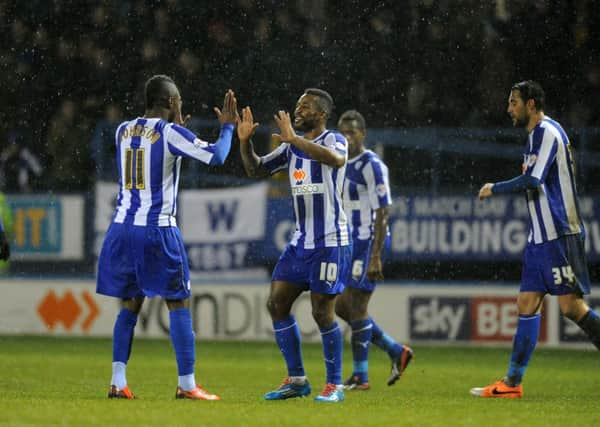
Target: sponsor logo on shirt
352, 205
198, 143
303, 189
299, 175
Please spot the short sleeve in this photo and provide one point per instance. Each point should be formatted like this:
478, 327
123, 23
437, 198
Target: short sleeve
183, 142
378, 187
336, 141
543, 153
277, 159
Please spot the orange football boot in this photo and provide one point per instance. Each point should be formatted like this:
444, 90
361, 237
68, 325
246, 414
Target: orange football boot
499, 389
399, 364
120, 393
197, 393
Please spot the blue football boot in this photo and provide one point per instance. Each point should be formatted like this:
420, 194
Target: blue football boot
288, 390
331, 393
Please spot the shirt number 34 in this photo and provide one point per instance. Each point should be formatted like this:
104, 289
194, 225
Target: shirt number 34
562, 274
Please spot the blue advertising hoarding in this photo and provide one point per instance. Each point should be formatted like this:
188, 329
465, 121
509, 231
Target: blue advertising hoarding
458, 228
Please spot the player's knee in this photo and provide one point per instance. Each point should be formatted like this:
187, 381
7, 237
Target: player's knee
275, 308
357, 313
572, 311
323, 317
573, 308
133, 304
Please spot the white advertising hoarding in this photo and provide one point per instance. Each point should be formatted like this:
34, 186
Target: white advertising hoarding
419, 312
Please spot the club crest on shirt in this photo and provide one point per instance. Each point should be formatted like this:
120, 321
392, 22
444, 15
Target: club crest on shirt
528, 161
198, 143
381, 190
357, 165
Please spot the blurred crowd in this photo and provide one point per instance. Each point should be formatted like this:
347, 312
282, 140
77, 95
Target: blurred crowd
73, 69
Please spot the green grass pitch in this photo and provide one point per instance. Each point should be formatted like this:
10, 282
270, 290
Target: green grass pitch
55, 381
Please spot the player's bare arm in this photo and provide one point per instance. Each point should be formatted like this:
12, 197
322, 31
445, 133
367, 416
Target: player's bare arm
315, 151
245, 130
486, 191
229, 112
375, 267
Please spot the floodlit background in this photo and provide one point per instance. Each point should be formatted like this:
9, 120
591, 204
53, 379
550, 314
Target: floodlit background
431, 77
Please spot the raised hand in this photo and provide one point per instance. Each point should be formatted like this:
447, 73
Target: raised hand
229, 113
375, 270
246, 126
284, 122
181, 121
178, 119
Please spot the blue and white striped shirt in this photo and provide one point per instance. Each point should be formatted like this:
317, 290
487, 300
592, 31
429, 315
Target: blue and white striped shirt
366, 189
149, 153
553, 205
316, 192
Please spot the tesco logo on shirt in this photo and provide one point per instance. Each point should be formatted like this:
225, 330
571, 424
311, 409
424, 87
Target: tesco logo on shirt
299, 190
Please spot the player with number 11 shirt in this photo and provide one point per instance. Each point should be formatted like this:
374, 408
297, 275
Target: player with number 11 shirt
143, 254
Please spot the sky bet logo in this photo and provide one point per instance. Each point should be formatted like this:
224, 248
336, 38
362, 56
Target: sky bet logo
434, 318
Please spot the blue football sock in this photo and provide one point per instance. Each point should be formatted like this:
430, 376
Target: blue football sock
384, 341
524, 341
287, 335
590, 323
362, 331
182, 336
332, 352
123, 335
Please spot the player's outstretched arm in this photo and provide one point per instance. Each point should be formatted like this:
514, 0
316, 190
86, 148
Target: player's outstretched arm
315, 151
517, 184
375, 267
245, 130
228, 117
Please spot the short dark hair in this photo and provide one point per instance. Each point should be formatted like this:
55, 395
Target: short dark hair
156, 90
530, 89
325, 100
353, 115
